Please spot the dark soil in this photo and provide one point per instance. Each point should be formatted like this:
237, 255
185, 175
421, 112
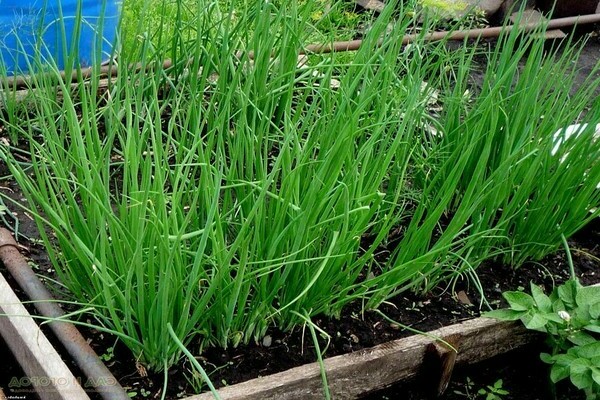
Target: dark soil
524, 376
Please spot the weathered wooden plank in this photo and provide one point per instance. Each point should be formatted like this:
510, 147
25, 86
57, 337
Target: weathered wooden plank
46, 371
363, 371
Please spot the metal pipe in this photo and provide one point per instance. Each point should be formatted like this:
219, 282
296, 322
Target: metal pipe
98, 375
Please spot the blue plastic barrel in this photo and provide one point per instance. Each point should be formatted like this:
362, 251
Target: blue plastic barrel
32, 30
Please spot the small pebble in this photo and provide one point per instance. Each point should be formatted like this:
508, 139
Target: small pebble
267, 340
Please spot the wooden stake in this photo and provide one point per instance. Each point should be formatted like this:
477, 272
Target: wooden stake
445, 359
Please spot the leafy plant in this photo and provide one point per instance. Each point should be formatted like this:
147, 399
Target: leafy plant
494, 392
570, 316
489, 392
469, 389
581, 364
223, 204
108, 355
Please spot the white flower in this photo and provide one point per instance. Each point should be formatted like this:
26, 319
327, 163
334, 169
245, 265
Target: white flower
564, 316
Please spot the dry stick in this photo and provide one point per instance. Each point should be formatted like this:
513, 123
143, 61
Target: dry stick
493, 32
111, 70
85, 357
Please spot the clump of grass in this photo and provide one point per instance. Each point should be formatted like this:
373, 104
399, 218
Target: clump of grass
225, 195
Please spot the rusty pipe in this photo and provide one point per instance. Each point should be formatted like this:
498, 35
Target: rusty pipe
98, 375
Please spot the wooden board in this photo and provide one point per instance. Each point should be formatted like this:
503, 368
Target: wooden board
370, 369
46, 371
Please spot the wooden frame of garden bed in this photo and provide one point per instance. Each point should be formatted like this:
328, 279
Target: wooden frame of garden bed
352, 375
46, 371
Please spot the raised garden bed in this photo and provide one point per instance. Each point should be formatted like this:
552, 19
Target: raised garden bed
358, 328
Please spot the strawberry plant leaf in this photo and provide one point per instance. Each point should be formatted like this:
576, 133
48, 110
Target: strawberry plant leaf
581, 375
581, 380
596, 375
547, 358
581, 338
588, 351
536, 323
592, 328
568, 291
554, 317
